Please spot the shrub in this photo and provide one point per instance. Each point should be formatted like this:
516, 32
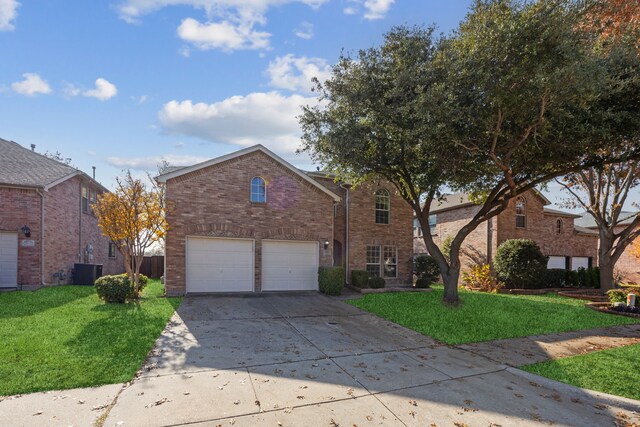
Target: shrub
445, 247
359, 278
617, 295
376, 282
555, 278
423, 283
331, 280
519, 263
425, 267
114, 288
571, 278
480, 276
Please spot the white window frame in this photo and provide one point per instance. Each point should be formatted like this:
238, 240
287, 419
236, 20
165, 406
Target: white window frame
377, 264
524, 212
433, 224
258, 195
383, 193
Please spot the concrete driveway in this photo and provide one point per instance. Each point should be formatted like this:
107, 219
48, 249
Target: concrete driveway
310, 360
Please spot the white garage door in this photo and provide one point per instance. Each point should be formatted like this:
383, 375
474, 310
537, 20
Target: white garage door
219, 265
579, 262
8, 260
289, 266
557, 262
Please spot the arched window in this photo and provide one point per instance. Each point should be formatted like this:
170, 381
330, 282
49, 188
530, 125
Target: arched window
521, 212
382, 206
258, 190
559, 226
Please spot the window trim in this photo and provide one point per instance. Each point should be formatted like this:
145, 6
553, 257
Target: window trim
382, 192
521, 215
378, 264
263, 185
84, 199
115, 251
433, 227
383, 265
559, 226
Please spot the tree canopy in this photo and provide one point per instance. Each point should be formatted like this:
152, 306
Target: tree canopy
517, 95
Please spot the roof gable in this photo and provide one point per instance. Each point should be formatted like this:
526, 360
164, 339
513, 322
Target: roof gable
256, 148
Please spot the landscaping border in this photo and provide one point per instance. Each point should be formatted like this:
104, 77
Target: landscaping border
599, 306
387, 290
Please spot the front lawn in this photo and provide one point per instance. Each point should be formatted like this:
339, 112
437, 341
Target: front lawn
64, 337
485, 317
613, 371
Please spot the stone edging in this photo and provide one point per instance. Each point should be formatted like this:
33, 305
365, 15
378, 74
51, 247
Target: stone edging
598, 306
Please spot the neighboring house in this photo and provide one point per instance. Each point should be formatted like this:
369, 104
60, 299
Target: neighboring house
251, 222
627, 268
46, 221
528, 216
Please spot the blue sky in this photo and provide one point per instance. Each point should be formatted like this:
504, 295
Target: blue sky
124, 83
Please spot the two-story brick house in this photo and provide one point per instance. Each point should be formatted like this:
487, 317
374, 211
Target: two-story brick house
526, 217
250, 222
46, 223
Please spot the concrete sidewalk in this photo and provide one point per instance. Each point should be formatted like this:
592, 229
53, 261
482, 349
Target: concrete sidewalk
292, 360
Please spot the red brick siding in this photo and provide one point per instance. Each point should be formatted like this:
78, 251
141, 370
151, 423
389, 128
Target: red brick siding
363, 230
215, 202
20, 207
628, 266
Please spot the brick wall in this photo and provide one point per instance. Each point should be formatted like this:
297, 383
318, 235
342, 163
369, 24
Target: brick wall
68, 230
215, 201
363, 230
628, 266
20, 207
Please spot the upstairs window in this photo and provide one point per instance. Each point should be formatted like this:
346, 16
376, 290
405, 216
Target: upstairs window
85, 199
433, 224
521, 213
559, 226
258, 190
112, 250
382, 206
417, 230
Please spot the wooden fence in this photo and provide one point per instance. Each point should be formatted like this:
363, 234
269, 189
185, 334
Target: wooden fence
153, 266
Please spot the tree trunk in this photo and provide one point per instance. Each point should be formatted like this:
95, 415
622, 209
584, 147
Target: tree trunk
606, 266
451, 286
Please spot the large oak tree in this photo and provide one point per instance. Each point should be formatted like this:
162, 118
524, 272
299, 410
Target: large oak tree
514, 97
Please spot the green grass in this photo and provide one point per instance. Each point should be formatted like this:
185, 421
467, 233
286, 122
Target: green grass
613, 371
485, 317
65, 337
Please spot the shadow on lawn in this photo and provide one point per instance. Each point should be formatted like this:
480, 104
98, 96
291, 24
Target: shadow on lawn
27, 303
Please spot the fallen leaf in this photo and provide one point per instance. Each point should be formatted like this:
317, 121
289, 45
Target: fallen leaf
413, 402
158, 402
236, 402
38, 413
99, 407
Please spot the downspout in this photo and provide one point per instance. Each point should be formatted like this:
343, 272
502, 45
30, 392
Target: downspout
346, 231
41, 194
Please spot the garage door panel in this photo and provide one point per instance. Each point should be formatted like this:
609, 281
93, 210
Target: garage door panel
289, 266
220, 265
8, 260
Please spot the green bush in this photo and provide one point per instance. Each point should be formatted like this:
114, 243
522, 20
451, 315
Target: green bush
376, 282
555, 278
571, 278
617, 295
426, 267
519, 263
331, 280
359, 278
423, 283
115, 288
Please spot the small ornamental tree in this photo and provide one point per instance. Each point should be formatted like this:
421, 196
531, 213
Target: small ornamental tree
133, 217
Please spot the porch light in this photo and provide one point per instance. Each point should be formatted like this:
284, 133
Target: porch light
26, 231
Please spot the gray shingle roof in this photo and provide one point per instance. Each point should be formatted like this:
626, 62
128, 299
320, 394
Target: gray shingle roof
22, 167
587, 221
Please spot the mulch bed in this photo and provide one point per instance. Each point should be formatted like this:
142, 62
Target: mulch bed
604, 307
389, 289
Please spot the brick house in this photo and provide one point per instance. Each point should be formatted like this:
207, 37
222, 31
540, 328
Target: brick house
527, 217
46, 221
251, 222
627, 268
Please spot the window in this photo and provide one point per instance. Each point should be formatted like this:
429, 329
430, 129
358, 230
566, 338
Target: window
85, 199
373, 261
390, 261
559, 226
417, 230
382, 206
258, 190
92, 198
433, 223
112, 250
521, 212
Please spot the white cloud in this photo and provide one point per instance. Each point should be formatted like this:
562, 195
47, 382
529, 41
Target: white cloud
8, 14
229, 24
295, 73
152, 162
304, 30
71, 90
104, 90
184, 51
32, 85
139, 99
258, 118
223, 35
373, 9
